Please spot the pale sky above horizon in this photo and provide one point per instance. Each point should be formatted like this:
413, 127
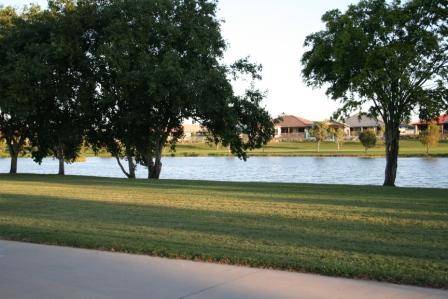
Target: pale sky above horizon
272, 33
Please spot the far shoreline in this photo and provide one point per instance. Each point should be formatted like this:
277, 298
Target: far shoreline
272, 155
408, 149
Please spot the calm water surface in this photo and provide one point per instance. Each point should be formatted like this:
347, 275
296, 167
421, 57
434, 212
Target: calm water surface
412, 172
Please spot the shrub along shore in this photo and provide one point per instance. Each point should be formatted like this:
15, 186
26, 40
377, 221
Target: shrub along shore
386, 234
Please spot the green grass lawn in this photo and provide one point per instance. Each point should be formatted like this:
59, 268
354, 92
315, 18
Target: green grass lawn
397, 235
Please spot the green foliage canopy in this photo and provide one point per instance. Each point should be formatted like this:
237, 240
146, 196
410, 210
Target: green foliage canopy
368, 139
159, 63
60, 77
391, 57
19, 78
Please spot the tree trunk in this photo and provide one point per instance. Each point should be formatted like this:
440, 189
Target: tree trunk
318, 146
427, 149
392, 136
156, 166
131, 166
15, 144
61, 166
14, 158
150, 165
60, 153
121, 165
156, 170
339, 146
130, 174
14, 149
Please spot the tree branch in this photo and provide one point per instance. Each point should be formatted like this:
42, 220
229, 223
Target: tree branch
422, 81
121, 166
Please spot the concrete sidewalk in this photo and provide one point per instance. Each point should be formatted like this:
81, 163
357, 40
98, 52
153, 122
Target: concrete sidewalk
38, 271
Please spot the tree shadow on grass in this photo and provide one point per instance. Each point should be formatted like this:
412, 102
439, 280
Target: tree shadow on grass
359, 236
381, 201
400, 253
335, 191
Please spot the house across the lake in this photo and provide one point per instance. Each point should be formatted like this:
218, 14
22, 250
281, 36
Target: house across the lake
442, 121
406, 129
359, 123
194, 133
338, 125
292, 127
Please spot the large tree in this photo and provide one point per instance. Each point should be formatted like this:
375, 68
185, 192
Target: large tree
66, 85
159, 63
391, 57
18, 72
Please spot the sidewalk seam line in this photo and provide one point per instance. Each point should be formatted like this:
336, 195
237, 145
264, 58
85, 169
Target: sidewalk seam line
219, 284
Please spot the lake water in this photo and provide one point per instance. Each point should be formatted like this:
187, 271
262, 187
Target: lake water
412, 172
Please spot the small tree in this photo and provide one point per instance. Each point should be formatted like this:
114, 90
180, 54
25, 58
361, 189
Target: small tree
320, 132
339, 135
368, 139
431, 136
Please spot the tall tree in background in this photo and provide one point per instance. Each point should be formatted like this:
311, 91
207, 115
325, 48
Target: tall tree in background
160, 63
389, 56
66, 84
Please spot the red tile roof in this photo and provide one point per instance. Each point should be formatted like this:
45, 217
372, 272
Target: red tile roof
291, 121
442, 119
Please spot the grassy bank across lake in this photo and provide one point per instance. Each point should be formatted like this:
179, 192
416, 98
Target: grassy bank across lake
408, 148
397, 235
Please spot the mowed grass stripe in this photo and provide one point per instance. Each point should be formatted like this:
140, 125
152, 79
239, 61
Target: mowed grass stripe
397, 235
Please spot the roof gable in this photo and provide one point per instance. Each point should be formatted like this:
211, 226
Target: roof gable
291, 121
337, 124
356, 121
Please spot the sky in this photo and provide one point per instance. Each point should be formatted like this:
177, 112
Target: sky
272, 33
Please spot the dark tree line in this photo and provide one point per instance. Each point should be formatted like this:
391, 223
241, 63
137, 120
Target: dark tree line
122, 75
